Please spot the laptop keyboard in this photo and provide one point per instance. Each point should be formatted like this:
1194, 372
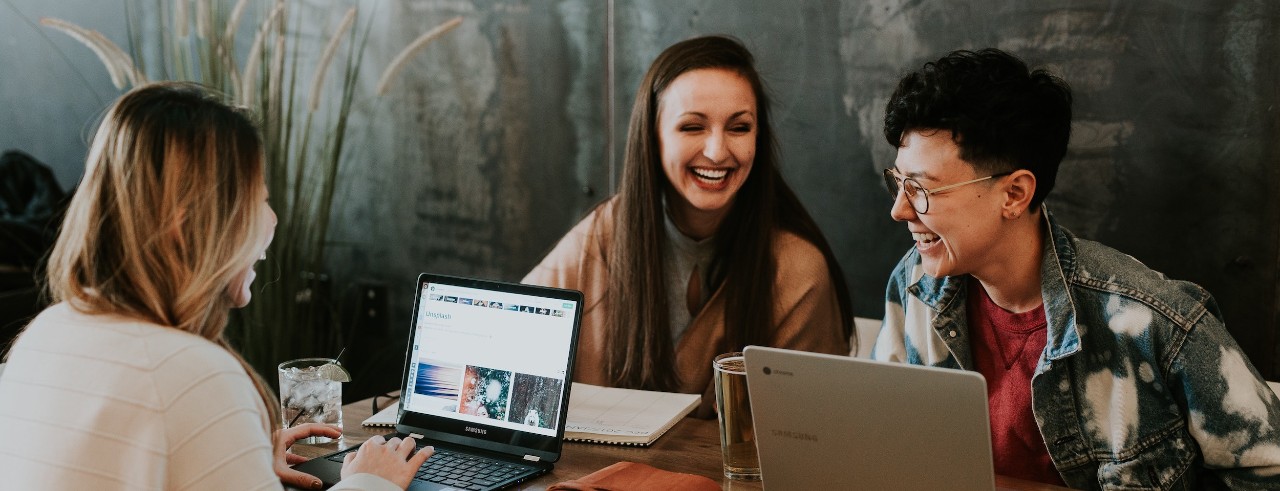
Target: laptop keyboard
464, 470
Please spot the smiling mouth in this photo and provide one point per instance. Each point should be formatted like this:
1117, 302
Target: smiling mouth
710, 176
924, 238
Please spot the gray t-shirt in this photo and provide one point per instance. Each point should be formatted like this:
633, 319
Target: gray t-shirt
681, 254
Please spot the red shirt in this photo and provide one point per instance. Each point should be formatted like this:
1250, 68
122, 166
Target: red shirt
1006, 347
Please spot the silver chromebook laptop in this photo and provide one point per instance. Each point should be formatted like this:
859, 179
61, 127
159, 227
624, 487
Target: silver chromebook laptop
486, 381
835, 422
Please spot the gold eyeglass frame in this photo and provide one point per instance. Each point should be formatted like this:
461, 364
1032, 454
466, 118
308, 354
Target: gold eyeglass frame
899, 183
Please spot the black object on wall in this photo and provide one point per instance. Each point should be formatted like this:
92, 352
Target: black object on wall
31, 205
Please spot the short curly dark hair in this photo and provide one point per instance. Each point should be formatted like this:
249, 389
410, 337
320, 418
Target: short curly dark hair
1002, 115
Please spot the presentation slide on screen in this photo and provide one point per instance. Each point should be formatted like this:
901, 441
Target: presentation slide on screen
490, 357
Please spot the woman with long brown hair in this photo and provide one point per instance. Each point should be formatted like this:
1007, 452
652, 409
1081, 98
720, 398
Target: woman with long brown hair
127, 381
704, 249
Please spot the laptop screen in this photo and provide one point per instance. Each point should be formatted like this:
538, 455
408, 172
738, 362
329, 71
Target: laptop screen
490, 361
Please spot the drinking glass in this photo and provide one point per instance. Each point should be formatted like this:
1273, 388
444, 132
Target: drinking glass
310, 393
733, 409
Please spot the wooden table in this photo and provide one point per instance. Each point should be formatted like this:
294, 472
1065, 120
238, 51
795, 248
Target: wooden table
692, 446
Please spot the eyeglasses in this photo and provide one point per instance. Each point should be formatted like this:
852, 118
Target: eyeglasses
917, 195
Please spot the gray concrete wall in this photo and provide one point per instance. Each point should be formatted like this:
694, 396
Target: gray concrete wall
52, 88
500, 136
1173, 157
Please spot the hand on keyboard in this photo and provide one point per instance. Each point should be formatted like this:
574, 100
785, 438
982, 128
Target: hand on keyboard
394, 460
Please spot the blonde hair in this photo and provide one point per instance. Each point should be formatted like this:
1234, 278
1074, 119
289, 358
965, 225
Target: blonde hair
167, 215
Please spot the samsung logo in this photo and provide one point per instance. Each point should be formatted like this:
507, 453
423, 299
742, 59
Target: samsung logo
481, 431
795, 435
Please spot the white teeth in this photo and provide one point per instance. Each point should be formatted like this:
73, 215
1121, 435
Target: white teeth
711, 174
922, 237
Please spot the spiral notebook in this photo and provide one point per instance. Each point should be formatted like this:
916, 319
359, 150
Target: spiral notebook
385, 418
623, 416
604, 414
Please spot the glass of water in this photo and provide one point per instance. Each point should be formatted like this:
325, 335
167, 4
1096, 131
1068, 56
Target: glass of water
733, 409
311, 392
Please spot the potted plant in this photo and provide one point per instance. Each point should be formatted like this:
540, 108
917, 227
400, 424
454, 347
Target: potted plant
304, 126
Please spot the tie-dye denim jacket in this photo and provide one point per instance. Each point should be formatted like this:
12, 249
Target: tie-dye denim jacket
1139, 386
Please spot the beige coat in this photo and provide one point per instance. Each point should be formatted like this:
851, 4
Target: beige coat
806, 313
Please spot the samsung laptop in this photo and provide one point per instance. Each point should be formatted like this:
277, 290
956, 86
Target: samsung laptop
835, 422
486, 381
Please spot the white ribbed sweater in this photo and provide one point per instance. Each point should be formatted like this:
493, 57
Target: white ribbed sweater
107, 402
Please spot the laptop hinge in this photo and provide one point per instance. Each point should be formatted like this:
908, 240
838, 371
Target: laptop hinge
532, 458
416, 436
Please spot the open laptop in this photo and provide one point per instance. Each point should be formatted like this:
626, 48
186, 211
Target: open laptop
486, 382
834, 422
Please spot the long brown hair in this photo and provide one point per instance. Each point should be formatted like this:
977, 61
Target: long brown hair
166, 216
641, 352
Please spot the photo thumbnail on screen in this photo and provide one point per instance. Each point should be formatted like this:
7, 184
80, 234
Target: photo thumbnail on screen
536, 400
440, 384
485, 392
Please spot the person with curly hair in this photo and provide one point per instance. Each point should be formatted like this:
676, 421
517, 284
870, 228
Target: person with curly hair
1101, 373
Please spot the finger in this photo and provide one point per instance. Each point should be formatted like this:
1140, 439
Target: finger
299, 479
369, 446
288, 436
394, 443
407, 443
292, 434
317, 429
421, 457
279, 445
282, 439
327, 430
346, 459
405, 447
293, 458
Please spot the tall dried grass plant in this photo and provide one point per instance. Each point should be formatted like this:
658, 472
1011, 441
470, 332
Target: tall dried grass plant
304, 140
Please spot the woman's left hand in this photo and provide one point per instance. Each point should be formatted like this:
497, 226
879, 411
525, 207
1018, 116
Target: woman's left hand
284, 458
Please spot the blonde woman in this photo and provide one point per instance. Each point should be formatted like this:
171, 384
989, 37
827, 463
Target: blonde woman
127, 381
